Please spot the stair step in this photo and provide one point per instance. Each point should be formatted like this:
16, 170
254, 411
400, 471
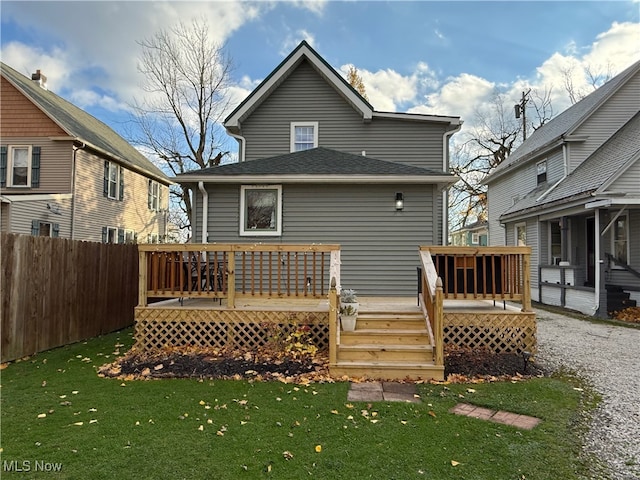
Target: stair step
384, 352
385, 336
389, 370
391, 321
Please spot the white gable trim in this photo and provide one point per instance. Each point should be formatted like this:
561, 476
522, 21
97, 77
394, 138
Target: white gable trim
281, 72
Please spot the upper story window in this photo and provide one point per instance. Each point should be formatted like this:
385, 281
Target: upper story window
541, 169
19, 166
260, 210
113, 181
304, 135
153, 199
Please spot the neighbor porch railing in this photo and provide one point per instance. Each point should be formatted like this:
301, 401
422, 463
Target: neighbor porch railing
231, 270
483, 273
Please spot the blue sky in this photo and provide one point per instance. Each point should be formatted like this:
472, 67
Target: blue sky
429, 57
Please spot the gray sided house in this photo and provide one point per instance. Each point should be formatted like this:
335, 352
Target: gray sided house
63, 173
317, 164
571, 191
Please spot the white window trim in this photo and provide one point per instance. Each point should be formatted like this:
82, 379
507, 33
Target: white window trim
515, 233
292, 134
613, 241
475, 238
9, 174
115, 234
129, 233
117, 169
541, 168
244, 232
155, 196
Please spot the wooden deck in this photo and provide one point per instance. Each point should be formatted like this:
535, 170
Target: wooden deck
236, 295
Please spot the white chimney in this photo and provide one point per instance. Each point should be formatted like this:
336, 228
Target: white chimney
40, 79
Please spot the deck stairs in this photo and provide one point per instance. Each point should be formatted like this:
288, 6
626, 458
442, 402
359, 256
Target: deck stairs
389, 345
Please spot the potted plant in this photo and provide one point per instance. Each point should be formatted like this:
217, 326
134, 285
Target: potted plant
348, 309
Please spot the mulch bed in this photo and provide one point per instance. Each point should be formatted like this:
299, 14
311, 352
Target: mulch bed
460, 365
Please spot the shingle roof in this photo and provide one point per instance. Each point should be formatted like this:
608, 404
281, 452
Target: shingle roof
568, 120
602, 165
318, 161
78, 123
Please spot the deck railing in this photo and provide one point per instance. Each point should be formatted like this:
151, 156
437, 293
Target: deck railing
431, 300
484, 273
231, 270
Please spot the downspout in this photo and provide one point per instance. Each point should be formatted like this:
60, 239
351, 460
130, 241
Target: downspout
73, 188
596, 305
242, 141
445, 193
205, 211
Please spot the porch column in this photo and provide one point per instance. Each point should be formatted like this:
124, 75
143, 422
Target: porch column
564, 239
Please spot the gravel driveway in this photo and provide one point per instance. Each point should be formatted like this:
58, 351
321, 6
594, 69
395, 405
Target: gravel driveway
607, 356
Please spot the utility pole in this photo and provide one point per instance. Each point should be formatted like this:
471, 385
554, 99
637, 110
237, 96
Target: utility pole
521, 111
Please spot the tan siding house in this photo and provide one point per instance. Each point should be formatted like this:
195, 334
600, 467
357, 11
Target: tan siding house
64, 173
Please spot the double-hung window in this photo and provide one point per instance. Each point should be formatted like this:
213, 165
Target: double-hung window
541, 171
621, 238
113, 181
19, 166
521, 234
260, 210
304, 135
154, 196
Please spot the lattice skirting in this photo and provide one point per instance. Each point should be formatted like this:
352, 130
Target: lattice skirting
158, 328
509, 332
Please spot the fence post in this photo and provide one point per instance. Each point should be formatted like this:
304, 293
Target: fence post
439, 328
333, 322
142, 278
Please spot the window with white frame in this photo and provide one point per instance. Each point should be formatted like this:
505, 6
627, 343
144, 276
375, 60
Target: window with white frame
45, 229
475, 238
521, 234
112, 179
19, 166
260, 210
129, 236
154, 196
620, 238
110, 235
555, 242
153, 238
304, 135
541, 169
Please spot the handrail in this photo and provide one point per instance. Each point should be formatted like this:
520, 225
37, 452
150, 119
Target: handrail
622, 264
484, 273
432, 303
229, 271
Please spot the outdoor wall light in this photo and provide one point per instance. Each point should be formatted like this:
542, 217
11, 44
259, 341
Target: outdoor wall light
399, 201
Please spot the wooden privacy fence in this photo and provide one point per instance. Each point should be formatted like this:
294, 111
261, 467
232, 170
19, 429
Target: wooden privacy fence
57, 291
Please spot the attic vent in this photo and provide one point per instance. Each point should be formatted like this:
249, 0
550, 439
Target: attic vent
40, 79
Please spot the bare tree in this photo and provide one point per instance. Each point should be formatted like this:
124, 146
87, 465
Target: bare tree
186, 78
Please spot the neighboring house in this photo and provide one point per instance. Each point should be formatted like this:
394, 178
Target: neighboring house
64, 173
319, 164
475, 234
571, 191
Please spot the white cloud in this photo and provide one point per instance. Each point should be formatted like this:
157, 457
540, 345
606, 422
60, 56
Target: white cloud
315, 6
293, 39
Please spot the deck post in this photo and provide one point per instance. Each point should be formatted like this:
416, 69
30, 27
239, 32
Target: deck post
438, 333
526, 281
231, 280
142, 278
333, 322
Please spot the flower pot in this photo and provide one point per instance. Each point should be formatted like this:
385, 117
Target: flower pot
348, 322
351, 306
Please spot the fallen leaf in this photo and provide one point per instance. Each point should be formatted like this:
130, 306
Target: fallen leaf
78, 424
318, 448
75, 392
93, 421
287, 455
201, 402
158, 367
454, 463
42, 415
432, 413
335, 412
201, 427
349, 405
471, 390
219, 433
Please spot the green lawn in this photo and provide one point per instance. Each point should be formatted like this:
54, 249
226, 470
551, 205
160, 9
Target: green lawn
98, 428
